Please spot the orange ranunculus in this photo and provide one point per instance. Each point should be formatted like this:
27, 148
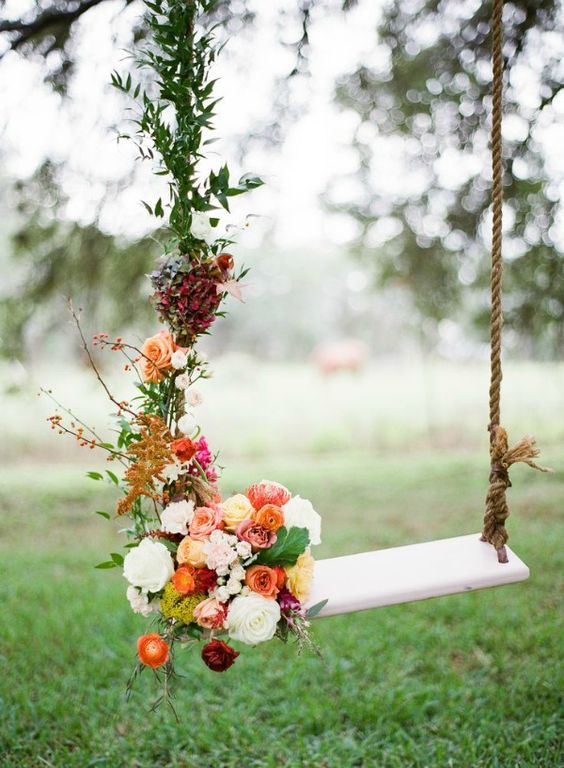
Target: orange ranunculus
263, 580
269, 516
183, 580
155, 356
152, 650
184, 448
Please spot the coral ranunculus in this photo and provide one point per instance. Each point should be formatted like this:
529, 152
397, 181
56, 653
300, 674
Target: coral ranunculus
152, 650
156, 354
269, 516
218, 656
184, 448
267, 492
183, 580
263, 580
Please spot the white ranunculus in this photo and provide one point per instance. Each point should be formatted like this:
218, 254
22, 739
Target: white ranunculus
194, 397
139, 602
177, 516
148, 566
233, 586
186, 424
182, 381
221, 593
299, 513
253, 618
172, 472
178, 360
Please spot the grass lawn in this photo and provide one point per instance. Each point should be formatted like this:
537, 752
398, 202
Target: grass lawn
469, 680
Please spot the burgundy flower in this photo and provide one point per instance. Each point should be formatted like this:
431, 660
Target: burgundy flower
288, 602
205, 579
218, 656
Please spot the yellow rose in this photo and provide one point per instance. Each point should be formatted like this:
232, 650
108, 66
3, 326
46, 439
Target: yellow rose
190, 551
236, 509
300, 576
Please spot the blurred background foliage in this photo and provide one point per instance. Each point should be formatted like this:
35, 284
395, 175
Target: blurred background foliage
420, 239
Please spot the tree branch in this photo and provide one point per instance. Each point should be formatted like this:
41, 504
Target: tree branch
26, 31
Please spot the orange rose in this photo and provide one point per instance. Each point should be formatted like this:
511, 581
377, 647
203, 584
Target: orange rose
263, 580
269, 516
183, 580
152, 650
155, 358
184, 448
281, 574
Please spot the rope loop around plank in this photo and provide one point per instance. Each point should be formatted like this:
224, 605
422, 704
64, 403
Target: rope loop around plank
501, 456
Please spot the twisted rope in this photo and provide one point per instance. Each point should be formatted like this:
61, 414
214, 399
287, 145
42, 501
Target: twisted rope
501, 456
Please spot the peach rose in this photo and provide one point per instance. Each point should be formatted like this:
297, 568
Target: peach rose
263, 580
256, 535
269, 516
156, 354
210, 613
205, 521
191, 552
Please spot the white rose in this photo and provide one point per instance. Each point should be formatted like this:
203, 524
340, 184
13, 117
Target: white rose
299, 513
178, 360
194, 397
182, 381
186, 424
139, 602
148, 566
177, 516
252, 619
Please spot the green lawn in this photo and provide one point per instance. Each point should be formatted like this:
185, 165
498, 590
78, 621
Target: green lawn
469, 680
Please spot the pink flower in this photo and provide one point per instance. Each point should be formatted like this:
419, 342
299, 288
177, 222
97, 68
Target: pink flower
210, 613
219, 553
256, 535
205, 520
204, 456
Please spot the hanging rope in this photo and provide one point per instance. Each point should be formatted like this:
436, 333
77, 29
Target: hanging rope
501, 456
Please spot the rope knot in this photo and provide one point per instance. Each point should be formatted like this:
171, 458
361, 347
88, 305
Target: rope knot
502, 457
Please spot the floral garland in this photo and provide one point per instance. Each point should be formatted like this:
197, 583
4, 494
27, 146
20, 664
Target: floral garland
199, 566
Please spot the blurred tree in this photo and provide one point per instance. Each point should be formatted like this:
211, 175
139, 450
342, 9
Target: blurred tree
54, 259
428, 82
425, 82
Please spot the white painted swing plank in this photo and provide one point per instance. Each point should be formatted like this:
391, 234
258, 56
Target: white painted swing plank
413, 572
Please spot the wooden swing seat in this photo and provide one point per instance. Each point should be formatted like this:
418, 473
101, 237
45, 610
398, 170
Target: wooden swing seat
413, 572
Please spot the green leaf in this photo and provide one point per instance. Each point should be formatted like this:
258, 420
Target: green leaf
289, 545
117, 558
113, 477
106, 515
315, 609
107, 564
95, 475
